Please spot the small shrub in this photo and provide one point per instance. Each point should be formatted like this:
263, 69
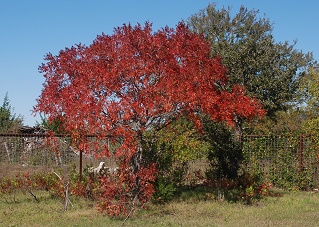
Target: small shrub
164, 191
245, 188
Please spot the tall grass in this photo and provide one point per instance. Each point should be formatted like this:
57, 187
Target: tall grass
281, 209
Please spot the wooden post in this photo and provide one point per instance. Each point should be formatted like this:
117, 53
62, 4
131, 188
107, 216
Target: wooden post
7, 149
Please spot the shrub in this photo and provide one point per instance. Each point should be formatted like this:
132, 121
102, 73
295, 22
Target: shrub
225, 155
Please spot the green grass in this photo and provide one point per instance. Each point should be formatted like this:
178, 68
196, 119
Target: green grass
288, 209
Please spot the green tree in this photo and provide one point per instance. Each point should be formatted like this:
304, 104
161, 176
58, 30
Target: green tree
309, 102
309, 92
270, 71
8, 120
55, 125
284, 122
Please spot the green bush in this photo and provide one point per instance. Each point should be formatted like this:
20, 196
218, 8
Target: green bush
164, 190
172, 148
225, 155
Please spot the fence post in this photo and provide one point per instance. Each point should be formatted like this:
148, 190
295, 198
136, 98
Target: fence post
301, 153
80, 167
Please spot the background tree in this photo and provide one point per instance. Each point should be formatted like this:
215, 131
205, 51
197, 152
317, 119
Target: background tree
309, 103
54, 125
284, 122
270, 71
309, 92
8, 120
132, 82
302, 115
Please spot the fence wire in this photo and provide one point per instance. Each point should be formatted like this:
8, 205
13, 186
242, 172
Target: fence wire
38, 151
287, 161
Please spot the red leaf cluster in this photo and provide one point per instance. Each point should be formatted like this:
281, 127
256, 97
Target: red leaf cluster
135, 79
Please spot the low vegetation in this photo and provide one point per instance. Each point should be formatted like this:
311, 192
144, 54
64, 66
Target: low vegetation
190, 208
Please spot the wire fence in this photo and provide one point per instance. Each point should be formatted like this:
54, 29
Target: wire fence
26, 152
285, 160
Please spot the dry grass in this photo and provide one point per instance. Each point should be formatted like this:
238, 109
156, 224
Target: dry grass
293, 209
290, 209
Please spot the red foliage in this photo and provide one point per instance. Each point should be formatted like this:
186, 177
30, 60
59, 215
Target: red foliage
132, 81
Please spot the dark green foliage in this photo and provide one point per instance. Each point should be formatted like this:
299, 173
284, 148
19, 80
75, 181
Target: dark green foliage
55, 125
164, 190
225, 157
8, 120
270, 71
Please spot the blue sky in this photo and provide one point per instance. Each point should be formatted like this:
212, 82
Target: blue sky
30, 29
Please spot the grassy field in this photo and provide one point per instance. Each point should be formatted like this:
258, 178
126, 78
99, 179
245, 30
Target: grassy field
283, 209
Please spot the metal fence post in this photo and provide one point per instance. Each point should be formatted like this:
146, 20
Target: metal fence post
80, 167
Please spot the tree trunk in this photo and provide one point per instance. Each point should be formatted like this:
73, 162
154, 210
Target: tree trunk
136, 161
238, 129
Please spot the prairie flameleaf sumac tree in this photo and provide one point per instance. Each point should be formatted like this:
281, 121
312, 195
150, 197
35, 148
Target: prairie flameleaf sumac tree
134, 81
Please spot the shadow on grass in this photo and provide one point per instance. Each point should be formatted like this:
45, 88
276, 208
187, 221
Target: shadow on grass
204, 193
276, 192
